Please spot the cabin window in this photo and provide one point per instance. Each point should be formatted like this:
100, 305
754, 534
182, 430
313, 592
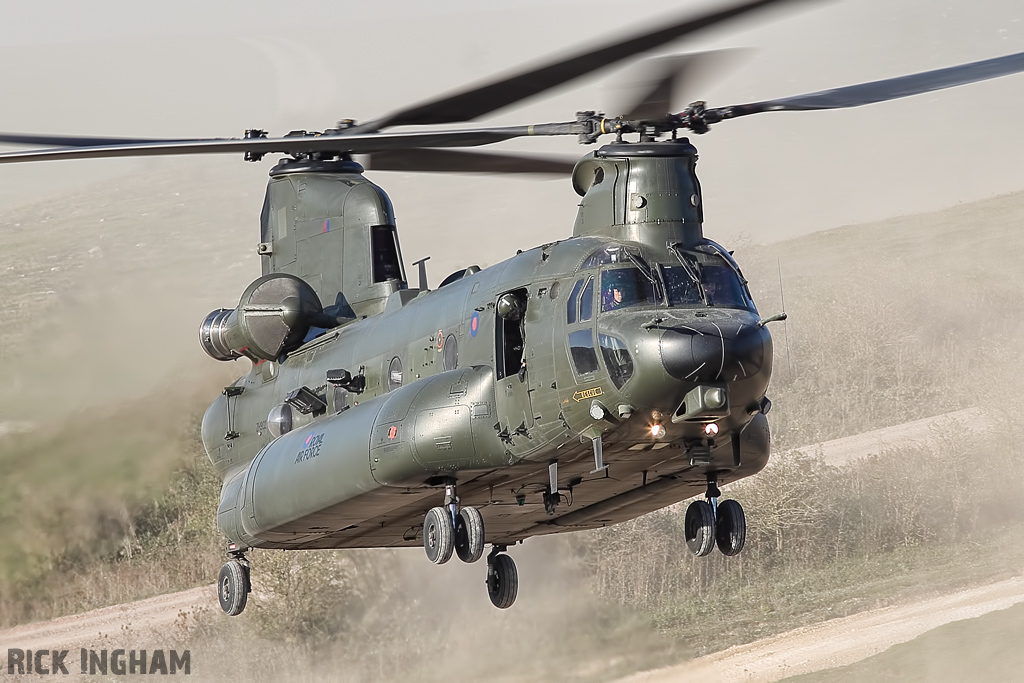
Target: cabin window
581, 348
384, 245
394, 373
572, 305
616, 358
450, 353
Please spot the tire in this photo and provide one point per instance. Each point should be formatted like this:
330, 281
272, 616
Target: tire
502, 581
699, 528
438, 535
233, 587
731, 527
469, 535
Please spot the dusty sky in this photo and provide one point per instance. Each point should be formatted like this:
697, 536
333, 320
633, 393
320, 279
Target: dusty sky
212, 69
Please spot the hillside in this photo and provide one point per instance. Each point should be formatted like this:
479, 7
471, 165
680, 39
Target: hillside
109, 498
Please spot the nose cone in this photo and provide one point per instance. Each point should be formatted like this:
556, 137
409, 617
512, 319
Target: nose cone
720, 351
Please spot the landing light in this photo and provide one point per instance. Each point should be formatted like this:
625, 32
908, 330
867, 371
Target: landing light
657, 431
711, 429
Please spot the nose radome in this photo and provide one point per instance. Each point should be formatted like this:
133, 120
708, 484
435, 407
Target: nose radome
712, 352
745, 353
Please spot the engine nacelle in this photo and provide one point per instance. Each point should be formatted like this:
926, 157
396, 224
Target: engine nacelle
272, 317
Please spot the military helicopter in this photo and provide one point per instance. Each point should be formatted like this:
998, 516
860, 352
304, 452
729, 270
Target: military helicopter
578, 384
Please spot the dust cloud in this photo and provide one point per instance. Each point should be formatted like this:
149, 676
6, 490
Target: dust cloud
411, 620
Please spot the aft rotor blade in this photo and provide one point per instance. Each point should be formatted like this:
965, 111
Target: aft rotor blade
649, 88
474, 103
373, 142
74, 140
454, 161
888, 89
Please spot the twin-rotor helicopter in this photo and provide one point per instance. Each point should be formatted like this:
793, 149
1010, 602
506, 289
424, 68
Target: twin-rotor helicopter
576, 385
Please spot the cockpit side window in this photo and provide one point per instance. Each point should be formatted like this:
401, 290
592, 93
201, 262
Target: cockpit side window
572, 304
625, 287
587, 301
581, 349
616, 358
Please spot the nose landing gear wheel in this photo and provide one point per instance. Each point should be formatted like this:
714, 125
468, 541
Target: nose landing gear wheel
233, 587
438, 535
469, 534
731, 527
699, 528
502, 581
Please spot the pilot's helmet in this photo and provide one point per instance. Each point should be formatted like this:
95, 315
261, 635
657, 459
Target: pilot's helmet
618, 287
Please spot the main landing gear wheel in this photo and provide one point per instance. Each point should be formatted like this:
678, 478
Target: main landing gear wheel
699, 528
438, 535
233, 587
502, 580
731, 527
469, 534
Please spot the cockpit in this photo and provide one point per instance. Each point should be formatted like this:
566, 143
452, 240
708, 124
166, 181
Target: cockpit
619, 277
704, 276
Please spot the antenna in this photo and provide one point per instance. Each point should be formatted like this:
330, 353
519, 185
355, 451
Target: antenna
785, 325
422, 263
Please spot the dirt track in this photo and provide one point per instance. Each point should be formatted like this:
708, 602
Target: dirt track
94, 628
918, 432
838, 642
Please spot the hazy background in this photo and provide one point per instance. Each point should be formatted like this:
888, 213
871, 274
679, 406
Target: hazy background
108, 267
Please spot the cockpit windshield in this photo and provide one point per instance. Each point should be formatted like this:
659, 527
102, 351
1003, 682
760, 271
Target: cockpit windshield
625, 287
721, 287
702, 276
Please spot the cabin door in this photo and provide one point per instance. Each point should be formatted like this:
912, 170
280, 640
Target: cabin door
512, 339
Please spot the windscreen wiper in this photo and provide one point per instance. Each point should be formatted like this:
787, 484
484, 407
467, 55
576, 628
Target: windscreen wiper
689, 269
727, 257
642, 266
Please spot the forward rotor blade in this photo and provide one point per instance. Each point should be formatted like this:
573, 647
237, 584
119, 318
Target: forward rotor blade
888, 89
453, 161
472, 104
374, 142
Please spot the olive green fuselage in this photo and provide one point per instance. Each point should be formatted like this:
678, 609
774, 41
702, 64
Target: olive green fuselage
454, 392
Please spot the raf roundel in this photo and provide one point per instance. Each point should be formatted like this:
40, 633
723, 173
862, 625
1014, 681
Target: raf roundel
474, 324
